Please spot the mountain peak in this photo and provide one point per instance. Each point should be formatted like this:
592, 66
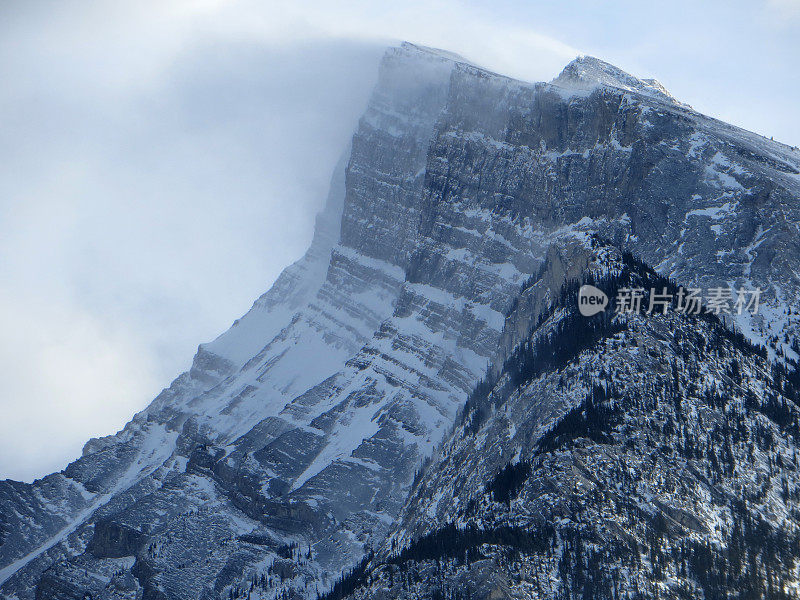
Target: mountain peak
586, 72
435, 52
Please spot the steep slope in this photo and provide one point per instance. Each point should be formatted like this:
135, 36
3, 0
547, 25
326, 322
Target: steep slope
292, 442
629, 455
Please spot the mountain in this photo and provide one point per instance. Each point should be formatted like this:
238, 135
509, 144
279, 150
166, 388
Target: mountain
290, 447
621, 456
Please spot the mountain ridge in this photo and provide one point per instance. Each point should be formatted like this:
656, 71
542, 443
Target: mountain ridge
304, 424
534, 485
586, 72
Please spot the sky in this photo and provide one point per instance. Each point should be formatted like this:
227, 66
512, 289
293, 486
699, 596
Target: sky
161, 162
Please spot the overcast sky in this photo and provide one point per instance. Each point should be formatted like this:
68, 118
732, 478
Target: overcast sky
161, 162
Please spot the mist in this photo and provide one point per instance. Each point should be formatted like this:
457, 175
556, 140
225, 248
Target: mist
139, 218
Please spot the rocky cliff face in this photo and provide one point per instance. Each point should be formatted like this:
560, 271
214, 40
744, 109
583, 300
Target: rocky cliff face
613, 456
291, 444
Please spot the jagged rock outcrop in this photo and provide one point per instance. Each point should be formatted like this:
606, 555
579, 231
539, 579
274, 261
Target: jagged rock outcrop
622, 455
290, 445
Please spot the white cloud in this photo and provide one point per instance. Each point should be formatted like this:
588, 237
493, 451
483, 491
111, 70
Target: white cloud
140, 214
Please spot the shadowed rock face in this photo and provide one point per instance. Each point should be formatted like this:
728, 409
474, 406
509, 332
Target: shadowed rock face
606, 457
296, 434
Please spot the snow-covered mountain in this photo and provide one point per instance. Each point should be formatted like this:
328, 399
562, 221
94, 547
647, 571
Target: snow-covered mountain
622, 456
291, 445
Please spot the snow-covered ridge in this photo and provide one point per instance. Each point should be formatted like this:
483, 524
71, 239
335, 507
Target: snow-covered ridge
586, 72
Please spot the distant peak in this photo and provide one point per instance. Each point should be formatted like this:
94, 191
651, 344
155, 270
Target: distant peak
586, 72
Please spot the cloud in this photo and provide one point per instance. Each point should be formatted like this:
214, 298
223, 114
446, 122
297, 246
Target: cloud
142, 212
